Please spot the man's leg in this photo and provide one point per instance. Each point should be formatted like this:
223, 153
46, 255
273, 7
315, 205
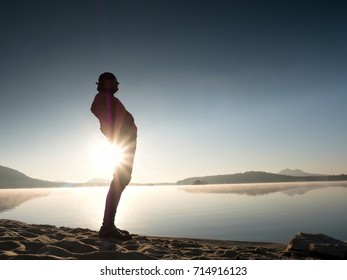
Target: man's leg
121, 179
112, 200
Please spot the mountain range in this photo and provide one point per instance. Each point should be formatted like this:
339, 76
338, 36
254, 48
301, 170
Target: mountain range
297, 173
10, 178
261, 177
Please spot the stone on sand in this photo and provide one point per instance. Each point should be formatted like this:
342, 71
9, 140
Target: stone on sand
318, 244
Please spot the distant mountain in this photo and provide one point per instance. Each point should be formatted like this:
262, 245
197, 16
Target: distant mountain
10, 178
258, 177
247, 177
297, 173
13, 179
106, 182
98, 181
152, 184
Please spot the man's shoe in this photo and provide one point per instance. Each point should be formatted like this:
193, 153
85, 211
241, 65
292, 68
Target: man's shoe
113, 233
123, 231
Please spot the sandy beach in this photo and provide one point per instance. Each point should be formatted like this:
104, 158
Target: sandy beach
19, 240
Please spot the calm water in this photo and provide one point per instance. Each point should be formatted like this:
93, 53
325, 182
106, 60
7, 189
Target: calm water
249, 212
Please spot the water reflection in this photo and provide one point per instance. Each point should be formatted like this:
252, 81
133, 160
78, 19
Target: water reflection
249, 212
12, 198
290, 189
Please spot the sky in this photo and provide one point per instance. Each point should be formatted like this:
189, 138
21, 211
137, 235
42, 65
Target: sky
215, 87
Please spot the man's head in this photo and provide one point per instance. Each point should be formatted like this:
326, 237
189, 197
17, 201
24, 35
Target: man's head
107, 83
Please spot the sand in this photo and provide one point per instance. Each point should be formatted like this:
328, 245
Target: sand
19, 240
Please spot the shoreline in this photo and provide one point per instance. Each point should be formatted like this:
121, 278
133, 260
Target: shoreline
24, 241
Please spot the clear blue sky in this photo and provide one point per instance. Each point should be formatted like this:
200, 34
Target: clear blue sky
215, 87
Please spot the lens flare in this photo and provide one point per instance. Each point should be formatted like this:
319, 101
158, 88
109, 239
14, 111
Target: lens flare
106, 157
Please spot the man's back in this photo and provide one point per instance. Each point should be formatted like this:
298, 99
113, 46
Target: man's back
115, 121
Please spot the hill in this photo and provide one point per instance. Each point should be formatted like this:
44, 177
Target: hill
10, 178
258, 177
297, 173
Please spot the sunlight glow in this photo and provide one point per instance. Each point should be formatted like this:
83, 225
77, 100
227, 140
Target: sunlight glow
106, 157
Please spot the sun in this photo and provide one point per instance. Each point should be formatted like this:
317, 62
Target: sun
106, 157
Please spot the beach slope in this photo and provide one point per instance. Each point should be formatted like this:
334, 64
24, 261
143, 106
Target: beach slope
20, 240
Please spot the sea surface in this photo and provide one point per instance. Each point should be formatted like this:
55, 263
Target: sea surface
272, 212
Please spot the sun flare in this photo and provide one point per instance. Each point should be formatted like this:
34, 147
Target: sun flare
106, 157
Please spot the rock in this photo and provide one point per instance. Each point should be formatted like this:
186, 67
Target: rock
318, 244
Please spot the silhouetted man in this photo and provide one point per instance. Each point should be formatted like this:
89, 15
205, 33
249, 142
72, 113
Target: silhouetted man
118, 125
